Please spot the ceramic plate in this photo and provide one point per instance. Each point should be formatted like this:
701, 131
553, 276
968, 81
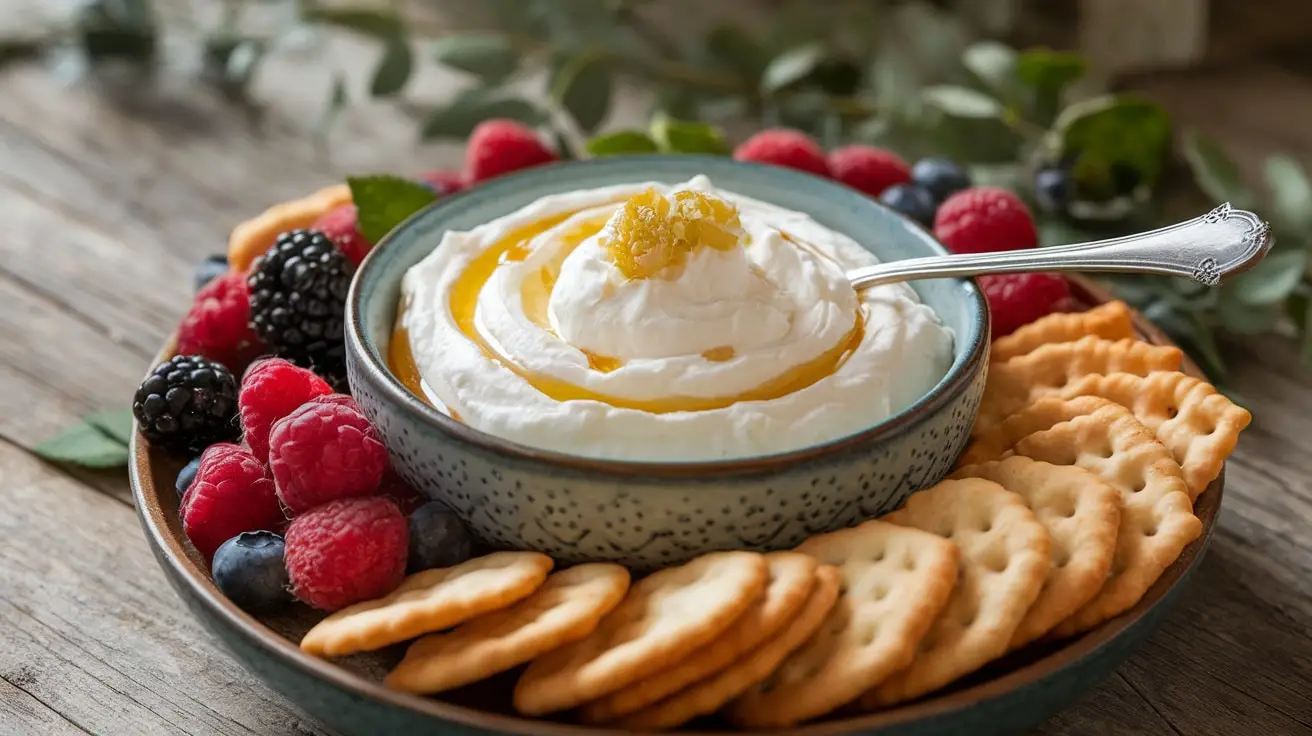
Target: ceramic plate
1015, 693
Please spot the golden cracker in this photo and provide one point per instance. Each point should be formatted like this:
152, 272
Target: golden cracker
1198, 424
709, 695
1005, 555
665, 617
1016, 383
1082, 515
791, 578
1157, 519
252, 238
567, 607
896, 580
428, 601
1109, 321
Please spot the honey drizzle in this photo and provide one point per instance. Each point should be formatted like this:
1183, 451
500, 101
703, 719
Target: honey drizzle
536, 292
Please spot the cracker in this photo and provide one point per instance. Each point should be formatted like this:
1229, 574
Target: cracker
1081, 514
1197, 423
1005, 554
896, 580
791, 578
1014, 384
999, 440
1157, 519
709, 695
666, 616
567, 607
252, 238
1109, 321
428, 601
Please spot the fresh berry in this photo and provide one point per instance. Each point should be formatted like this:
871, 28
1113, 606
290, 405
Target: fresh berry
347, 551
784, 147
209, 269
324, 451
338, 399
406, 497
271, 390
499, 147
187, 404
985, 219
232, 494
443, 182
186, 476
912, 201
941, 177
342, 226
868, 169
438, 538
298, 300
1053, 188
250, 570
218, 325
1018, 299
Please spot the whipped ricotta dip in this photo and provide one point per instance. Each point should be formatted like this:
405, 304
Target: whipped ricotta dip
530, 328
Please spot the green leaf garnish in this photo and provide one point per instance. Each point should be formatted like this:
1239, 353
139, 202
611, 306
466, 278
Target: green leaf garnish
621, 142
678, 136
84, 445
383, 202
115, 424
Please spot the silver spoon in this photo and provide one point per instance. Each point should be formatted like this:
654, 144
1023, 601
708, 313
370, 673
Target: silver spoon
1207, 249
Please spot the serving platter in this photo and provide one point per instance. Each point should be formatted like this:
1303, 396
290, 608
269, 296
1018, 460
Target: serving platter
1009, 695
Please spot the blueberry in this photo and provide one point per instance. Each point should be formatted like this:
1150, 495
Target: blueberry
209, 269
941, 177
186, 476
912, 201
438, 538
1053, 188
249, 569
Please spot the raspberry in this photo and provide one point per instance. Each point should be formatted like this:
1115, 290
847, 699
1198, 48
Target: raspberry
271, 390
982, 219
218, 325
868, 169
443, 182
347, 551
323, 451
499, 147
342, 227
784, 147
232, 494
1018, 299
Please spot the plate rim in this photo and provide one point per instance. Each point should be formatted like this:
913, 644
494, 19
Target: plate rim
165, 535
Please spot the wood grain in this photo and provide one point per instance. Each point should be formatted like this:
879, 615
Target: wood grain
107, 199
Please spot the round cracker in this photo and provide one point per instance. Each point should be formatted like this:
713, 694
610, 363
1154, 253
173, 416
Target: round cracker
1109, 321
791, 578
666, 616
567, 607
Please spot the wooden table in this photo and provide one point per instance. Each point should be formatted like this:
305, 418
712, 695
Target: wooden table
105, 205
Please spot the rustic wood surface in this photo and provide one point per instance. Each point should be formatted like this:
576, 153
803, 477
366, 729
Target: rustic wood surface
106, 202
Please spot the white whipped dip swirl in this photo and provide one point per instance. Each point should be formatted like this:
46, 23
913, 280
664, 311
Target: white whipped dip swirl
757, 349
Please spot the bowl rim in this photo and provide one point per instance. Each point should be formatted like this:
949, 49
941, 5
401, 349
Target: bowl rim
372, 362
165, 536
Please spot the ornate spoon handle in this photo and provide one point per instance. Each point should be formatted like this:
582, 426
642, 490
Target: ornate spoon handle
1208, 249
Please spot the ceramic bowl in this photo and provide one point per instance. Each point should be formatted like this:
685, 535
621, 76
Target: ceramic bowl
648, 515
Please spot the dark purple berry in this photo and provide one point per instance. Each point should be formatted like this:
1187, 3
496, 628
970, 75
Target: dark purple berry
912, 201
939, 176
438, 538
250, 570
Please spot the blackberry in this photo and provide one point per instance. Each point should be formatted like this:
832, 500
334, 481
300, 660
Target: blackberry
187, 404
298, 301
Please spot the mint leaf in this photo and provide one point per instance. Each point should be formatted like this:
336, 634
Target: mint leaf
679, 136
84, 445
621, 142
115, 424
383, 202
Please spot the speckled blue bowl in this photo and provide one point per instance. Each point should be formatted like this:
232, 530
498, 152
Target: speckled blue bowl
647, 515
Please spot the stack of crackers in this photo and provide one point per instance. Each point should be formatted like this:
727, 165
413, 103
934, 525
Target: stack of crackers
1074, 496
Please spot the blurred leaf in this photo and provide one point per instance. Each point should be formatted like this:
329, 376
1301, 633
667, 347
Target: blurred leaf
1291, 193
20, 49
621, 142
379, 24
994, 17
1270, 281
115, 424
1203, 340
933, 39
791, 67
393, 69
458, 118
564, 147
488, 57
838, 77
230, 62
1048, 73
896, 85
962, 102
337, 100
383, 202
1117, 142
677, 136
118, 29
84, 445
1247, 319
583, 88
995, 65
1215, 172
734, 48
